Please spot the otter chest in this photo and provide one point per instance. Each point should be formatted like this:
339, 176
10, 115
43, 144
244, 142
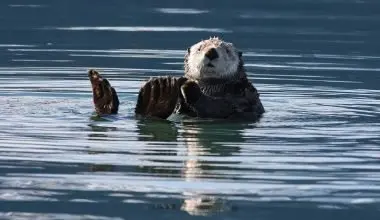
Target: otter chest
220, 88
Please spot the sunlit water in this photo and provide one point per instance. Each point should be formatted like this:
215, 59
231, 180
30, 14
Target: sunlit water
314, 155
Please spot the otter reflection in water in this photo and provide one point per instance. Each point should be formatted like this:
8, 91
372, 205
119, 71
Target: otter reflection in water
99, 134
200, 139
189, 140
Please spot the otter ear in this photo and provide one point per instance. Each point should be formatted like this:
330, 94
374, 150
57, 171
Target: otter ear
240, 54
188, 49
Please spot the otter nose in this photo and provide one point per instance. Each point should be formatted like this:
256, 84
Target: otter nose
212, 54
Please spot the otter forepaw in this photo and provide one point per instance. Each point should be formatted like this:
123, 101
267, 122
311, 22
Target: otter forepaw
104, 95
158, 97
191, 92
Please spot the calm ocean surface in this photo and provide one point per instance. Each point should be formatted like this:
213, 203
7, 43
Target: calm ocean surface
314, 155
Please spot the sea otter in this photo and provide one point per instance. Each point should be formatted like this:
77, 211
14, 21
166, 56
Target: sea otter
215, 85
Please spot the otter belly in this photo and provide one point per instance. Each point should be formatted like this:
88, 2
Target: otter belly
228, 99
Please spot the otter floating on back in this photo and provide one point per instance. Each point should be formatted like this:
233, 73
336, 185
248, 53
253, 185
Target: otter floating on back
215, 85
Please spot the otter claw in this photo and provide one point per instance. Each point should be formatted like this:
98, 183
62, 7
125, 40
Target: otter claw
158, 97
104, 95
93, 75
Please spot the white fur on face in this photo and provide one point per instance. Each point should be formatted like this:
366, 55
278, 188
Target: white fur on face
224, 66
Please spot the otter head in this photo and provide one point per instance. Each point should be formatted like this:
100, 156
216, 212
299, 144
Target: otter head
212, 58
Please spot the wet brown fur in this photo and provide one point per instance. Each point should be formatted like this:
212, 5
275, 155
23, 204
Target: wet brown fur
105, 97
158, 96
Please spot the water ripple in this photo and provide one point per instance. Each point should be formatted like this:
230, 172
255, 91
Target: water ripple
142, 29
181, 11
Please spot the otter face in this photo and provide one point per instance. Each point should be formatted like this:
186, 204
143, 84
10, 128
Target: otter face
212, 58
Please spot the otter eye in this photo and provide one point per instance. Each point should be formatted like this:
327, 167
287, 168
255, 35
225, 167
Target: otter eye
228, 51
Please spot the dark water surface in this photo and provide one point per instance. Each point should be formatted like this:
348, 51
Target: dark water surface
314, 155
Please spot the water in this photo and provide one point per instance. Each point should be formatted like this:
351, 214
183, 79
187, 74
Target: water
314, 155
